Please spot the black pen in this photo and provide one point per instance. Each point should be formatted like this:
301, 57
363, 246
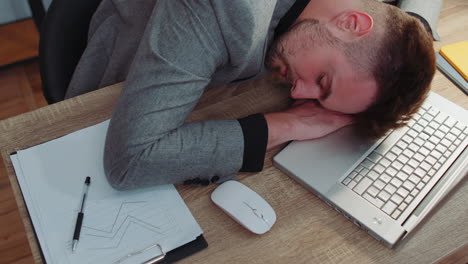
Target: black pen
79, 219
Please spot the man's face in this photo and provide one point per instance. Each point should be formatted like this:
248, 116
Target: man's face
310, 59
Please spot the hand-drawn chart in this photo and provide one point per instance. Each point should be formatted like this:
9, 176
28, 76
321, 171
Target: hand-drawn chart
108, 228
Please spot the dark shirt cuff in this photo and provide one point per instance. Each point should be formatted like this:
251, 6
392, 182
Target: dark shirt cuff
255, 131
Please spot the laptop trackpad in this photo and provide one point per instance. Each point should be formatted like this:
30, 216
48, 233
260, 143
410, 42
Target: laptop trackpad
319, 163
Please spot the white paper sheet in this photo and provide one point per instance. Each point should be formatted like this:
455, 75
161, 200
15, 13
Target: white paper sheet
116, 223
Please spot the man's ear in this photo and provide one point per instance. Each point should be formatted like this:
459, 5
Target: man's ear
351, 24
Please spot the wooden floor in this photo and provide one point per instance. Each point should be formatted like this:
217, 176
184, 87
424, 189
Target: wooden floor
20, 91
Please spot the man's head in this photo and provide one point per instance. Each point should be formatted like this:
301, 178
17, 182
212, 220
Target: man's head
359, 57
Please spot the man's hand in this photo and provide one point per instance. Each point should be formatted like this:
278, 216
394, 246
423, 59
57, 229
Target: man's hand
306, 119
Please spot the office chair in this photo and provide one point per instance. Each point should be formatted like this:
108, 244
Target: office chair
63, 38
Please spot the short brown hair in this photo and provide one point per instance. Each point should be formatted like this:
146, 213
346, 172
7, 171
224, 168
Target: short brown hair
403, 69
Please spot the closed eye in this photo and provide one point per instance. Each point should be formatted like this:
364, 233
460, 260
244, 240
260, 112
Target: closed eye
324, 83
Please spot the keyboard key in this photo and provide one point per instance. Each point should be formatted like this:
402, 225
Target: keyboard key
379, 184
450, 136
414, 192
441, 148
389, 207
358, 178
379, 168
439, 134
431, 172
427, 117
436, 154
384, 195
408, 185
390, 189
414, 179
373, 175
434, 125
440, 118
407, 139
413, 163
450, 122
391, 171
397, 199
429, 130
426, 179
431, 160
396, 150
396, 214
346, 181
452, 148
447, 154
412, 133
403, 159
390, 156
408, 153
420, 186
385, 162
402, 176
362, 185
397, 165
403, 192
374, 156
373, 191
413, 147
435, 140
402, 144
433, 111
407, 169
418, 128
367, 164
396, 182
419, 141
425, 166
408, 199
423, 122
418, 157
444, 129
364, 171
442, 160
403, 206
424, 151
429, 145
424, 136
375, 201
460, 126
385, 178
352, 184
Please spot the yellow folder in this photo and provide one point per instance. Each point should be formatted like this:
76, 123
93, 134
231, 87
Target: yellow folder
457, 55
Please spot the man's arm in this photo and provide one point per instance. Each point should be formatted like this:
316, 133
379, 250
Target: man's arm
149, 142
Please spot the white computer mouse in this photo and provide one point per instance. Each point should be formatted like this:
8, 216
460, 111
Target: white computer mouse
244, 205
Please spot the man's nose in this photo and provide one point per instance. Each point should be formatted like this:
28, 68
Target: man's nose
305, 90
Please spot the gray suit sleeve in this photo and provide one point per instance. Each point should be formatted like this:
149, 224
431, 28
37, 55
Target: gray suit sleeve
149, 142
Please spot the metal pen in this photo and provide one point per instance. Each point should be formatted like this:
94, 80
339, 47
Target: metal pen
79, 219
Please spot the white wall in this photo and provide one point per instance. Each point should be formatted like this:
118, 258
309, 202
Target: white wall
13, 10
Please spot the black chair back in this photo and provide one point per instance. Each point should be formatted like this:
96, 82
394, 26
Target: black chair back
63, 38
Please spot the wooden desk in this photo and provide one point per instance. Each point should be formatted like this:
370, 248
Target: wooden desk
307, 230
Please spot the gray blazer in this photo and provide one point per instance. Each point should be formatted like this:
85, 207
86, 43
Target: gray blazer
168, 52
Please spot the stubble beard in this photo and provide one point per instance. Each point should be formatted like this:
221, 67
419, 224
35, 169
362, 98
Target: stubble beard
304, 35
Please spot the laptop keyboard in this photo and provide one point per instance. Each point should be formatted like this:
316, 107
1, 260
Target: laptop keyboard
394, 173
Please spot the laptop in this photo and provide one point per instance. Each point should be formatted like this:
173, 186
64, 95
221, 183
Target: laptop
386, 186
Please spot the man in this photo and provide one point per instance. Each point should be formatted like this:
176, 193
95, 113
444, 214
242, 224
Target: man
361, 60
